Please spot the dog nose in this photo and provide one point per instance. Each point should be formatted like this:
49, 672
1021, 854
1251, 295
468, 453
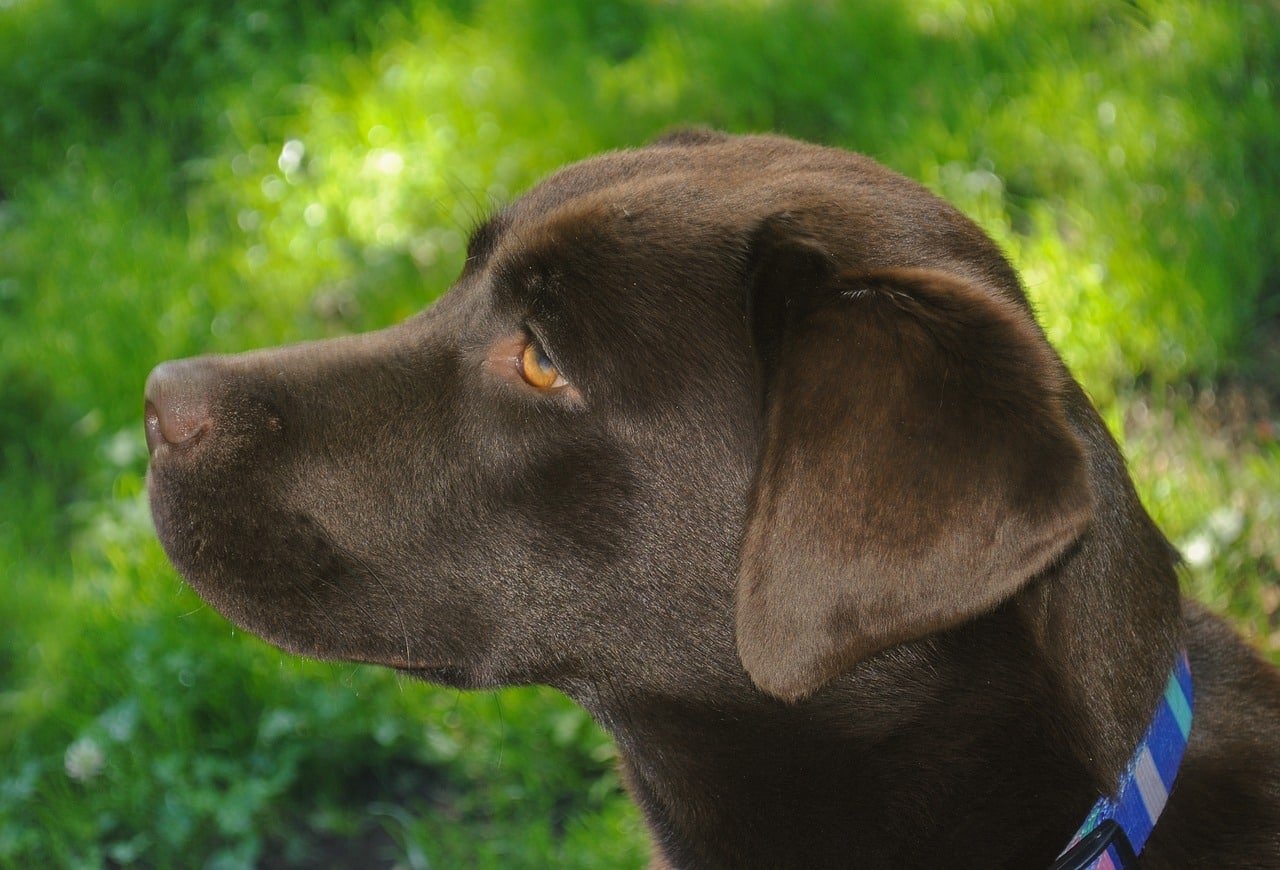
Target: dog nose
177, 410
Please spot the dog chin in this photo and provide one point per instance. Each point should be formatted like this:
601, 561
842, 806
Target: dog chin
229, 578
453, 677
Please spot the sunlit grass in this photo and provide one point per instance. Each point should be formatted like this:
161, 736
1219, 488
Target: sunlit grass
209, 176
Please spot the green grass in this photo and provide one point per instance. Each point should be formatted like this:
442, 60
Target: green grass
177, 178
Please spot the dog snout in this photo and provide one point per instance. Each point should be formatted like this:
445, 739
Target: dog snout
178, 410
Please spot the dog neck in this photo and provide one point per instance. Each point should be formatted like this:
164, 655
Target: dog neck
1120, 823
975, 721
982, 746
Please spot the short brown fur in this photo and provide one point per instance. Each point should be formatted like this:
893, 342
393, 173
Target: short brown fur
825, 534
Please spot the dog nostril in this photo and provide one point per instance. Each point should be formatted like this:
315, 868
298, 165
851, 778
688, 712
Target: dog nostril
177, 403
151, 419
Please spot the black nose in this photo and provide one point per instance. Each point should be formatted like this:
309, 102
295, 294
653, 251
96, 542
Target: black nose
177, 403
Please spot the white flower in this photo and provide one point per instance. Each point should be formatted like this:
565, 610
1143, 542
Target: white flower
84, 759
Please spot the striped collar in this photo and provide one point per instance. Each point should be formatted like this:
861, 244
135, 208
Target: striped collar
1118, 826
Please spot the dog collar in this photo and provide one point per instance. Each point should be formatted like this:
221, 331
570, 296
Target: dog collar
1118, 826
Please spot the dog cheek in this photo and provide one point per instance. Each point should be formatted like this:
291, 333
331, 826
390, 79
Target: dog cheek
579, 501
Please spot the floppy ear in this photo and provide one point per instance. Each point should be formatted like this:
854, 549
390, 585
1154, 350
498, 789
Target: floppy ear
917, 467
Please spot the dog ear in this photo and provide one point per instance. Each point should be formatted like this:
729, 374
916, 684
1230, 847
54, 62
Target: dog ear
917, 466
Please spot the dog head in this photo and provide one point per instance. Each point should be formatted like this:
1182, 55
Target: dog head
714, 405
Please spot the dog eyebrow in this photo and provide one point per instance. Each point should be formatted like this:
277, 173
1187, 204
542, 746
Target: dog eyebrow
484, 237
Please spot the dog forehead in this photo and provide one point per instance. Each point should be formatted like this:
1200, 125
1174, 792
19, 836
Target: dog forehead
612, 220
683, 214
677, 199
631, 257
639, 239
700, 190
720, 177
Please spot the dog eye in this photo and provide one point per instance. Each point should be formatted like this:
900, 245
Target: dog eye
538, 370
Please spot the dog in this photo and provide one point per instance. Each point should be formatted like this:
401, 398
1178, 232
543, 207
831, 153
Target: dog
755, 450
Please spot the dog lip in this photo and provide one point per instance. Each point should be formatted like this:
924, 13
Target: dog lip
396, 664
447, 675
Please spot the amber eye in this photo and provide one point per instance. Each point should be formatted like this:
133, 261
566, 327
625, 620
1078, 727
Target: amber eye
537, 369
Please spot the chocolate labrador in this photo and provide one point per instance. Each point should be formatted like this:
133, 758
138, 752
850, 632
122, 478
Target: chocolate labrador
754, 449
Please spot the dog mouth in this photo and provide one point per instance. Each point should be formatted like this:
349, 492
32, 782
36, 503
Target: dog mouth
268, 570
276, 573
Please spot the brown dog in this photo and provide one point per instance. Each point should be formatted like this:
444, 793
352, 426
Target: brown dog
754, 449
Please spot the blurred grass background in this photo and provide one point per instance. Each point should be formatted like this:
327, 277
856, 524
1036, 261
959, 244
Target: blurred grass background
215, 175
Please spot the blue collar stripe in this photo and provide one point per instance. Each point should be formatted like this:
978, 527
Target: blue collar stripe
1148, 778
